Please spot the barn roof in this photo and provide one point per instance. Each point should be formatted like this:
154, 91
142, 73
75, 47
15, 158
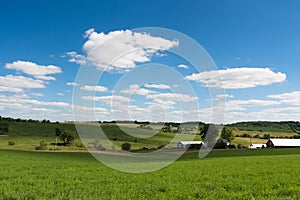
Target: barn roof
286, 142
190, 142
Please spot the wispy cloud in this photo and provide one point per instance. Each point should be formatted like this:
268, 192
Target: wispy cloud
96, 88
72, 84
60, 94
183, 66
172, 97
236, 78
35, 70
291, 98
11, 83
157, 86
134, 89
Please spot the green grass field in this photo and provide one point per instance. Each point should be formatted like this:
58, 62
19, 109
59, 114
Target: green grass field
232, 174
223, 174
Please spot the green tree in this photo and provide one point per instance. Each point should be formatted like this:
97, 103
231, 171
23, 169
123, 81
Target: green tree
227, 134
210, 129
57, 132
4, 128
126, 146
67, 137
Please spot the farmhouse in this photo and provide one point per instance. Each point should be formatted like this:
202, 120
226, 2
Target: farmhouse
257, 146
186, 144
283, 143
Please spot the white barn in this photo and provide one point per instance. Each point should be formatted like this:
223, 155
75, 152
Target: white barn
257, 146
283, 143
186, 144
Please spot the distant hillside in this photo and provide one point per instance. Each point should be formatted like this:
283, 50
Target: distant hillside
26, 134
265, 126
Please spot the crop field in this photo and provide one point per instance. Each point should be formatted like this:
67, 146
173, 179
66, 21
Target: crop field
231, 174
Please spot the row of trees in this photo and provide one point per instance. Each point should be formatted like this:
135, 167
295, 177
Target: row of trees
9, 119
212, 131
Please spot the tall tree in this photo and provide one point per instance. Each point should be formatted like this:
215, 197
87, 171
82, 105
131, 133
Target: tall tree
227, 134
57, 132
4, 128
67, 136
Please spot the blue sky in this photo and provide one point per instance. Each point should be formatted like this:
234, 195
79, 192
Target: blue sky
254, 44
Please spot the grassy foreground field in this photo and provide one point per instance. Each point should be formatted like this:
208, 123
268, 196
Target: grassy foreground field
236, 174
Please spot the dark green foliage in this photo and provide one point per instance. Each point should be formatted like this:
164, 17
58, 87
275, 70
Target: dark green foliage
194, 146
266, 136
203, 130
67, 137
57, 132
227, 134
45, 121
11, 143
166, 129
126, 146
246, 135
221, 144
4, 128
115, 137
210, 132
264, 126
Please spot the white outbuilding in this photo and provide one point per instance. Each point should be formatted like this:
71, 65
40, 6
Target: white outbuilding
186, 144
257, 146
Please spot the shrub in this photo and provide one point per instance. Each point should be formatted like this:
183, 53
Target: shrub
80, 145
115, 138
266, 136
126, 146
195, 146
42, 146
11, 143
100, 147
246, 135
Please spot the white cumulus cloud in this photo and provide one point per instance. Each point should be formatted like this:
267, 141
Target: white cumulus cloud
96, 88
11, 83
235, 78
157, 86
120, 50
35, 70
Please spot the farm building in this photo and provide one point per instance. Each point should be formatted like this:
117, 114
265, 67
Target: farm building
283, 143
257, 146
187, 144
